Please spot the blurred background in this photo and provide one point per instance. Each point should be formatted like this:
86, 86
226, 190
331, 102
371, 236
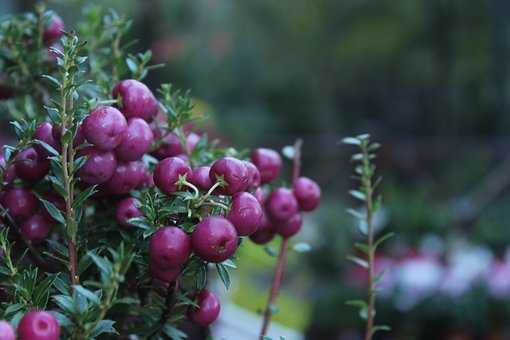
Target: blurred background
429, 79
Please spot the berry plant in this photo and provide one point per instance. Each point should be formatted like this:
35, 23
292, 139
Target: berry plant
115, 209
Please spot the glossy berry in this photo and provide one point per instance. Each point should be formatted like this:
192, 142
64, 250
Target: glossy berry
169, 247
10, 173
127, 208
265, 232
147, 179
30, 166
171, 146
127, 176
136, 140
167, 174
268, 162
245, 213
166, 275
214, 239
207, 311
99, 166
260, 195
307, 193
253, 175
136, 100
290, 227
232, 172
201, 179
20, 203
53, 29
6, 331
44, 132
38, 325
36, 228
104, 127
281, 204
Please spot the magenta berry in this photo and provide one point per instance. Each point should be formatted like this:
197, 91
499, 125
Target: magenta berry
38, 325
208, 309
20, 203
8, 174
99, 166
167, 172
44, 132
6, 331
147, 179
253, 175
53, 29
281, 204
201, 179
265, 232
169, 247
307, 193
127, 176
232, 172
36, 228
127, 208
171, 146
260, 195
136, 140
30, 166
104, 127
290, 227
268, 162
79, 136
166, 275
245, 213
214, 239
136, 100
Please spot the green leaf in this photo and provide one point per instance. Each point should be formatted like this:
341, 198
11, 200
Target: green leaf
302, 247
358, 195
270, 251
229, 263
87, 293
64, 302
351, 141
358, 261
383, 238
47, 147
53, 80
53, 210
83, 196
104, 326
224, 275
378, 328
173, 332
362, 247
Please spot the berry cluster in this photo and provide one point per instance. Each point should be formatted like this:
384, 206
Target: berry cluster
36, 325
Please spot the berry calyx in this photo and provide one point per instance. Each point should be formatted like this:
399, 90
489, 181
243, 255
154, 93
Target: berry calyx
104, 127
245, 213
135, 99
167, 173
36, 228
290, 227
268, 162
232, 173
281, 204
214, 239
20, 203
6, 331
207, 311
169, 247
201, 179
38, 325
136, 140
126, 209
99, 166
307, 193
30, 166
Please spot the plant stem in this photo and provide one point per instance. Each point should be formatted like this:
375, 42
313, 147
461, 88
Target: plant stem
282, 255
169, 304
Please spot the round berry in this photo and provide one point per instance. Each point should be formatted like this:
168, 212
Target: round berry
281, 204
20, 203
9, 174
201, 179
214, 239
290, 227
135, 99
104, 127
232, 172
268, 162
53, 29
136, 140
6, 331
169, 247
171, 145
38, 325
265, 233
127, 176
147, 179
30, 166
166, 275
99, 166
253, 175
127, 208
44, 132
167, 174
36, 228
307, 193
245, 213
260, 195
208, 309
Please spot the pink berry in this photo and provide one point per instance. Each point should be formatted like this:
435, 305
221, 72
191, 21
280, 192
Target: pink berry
253, 175
30, 166
166, 275
214, 239
308, 193
104, 127
245, 213
265, 233
208, 309
20, 203
147, 179
6, 331
53, 29
171, 146
268, 162
44, 132
36, 228
127, 208
260, 195
8, 174
136, 140
38, 325
136, 100
232, 172
99, 167
127, 176
281, 204
290, 227
201, 179
169, 247
167, 174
